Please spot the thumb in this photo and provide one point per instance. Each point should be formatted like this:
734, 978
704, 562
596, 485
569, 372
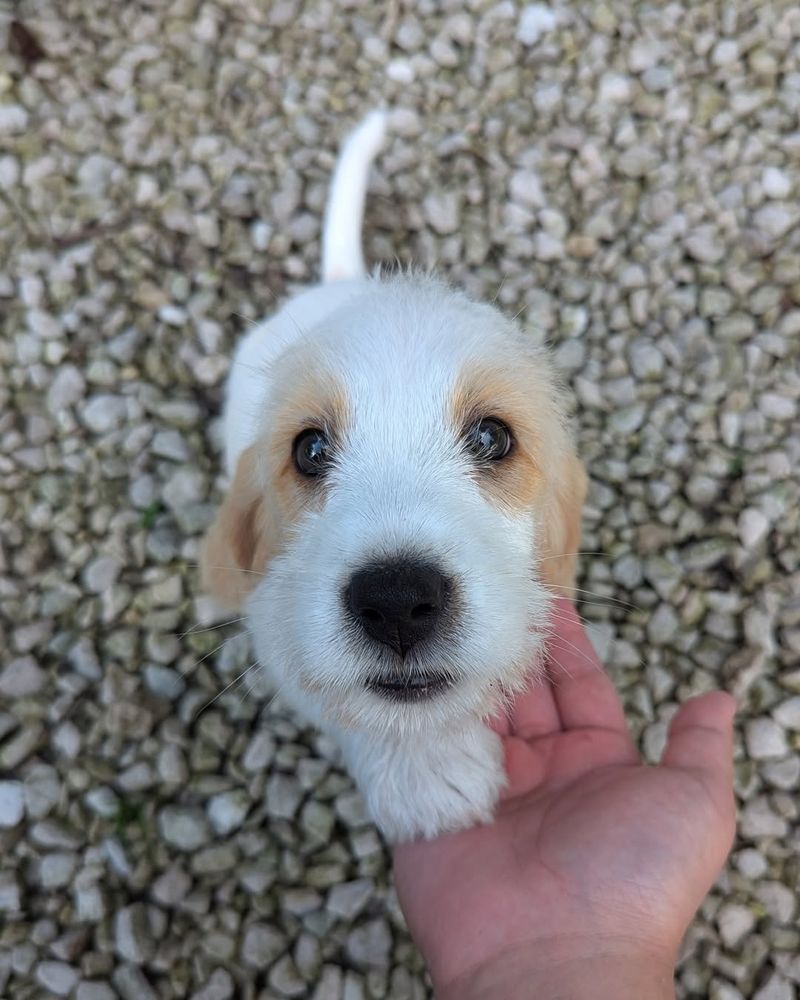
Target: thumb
701, 737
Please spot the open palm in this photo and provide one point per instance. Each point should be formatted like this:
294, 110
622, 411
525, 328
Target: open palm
591, 849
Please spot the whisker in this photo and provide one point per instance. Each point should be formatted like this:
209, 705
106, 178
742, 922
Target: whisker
247, 319
216, 649
579, 652
596, 593
196, 630
582, 552
226, 688
240, 569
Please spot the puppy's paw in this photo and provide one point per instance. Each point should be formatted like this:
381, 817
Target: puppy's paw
424, 788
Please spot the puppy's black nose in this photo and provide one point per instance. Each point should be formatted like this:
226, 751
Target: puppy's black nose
398, 604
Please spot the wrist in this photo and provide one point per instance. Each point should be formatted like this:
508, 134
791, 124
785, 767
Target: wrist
546, 972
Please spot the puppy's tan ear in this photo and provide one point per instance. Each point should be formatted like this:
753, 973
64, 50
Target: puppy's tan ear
561, 526
236, 547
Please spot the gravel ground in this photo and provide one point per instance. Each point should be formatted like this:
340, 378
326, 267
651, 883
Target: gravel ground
627, 183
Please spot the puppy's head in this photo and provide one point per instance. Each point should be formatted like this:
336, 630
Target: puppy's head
394, 528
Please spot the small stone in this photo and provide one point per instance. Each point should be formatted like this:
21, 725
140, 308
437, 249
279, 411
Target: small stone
751, 863
329, 984
94, 990
787, 713
259, 753
170, 444
185, 827
776, 183
228, 810
349, 899
12, 803
283, 796
132, 936
163, 682
56, 869
105, 413
131, 984
535, 20
21, 677
783, 774
663, 627
704, 245
442, 211
734, 922
15, 750
171, 886
173, 315
777, 407
776, 988
759, 820
67, 740
638, 161
172, 767
702, 490
753, 527
614, 87
647, 362
775, 219
184, 487
351, 810
261, 945
778, 900
765, 739
90, 904
369, 945
13, 119
66, 389
101, 573
285, 979
725, 52
215, 859
317, 820
526, 189
219, 987
10, 896
58, 977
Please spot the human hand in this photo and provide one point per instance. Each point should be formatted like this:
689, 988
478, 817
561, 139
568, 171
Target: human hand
595, 864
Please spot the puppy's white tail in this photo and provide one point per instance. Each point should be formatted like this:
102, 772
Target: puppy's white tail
344, 213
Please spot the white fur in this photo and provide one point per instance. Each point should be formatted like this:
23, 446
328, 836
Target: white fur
401, 484
341, 235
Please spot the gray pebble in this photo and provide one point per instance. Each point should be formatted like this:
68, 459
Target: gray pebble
185, 827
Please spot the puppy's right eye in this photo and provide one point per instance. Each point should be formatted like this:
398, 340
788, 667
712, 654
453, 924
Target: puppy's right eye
312, 451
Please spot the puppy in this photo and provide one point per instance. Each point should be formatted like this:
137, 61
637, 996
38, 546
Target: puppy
404, 495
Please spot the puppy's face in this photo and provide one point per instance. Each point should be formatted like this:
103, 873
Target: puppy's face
393, 529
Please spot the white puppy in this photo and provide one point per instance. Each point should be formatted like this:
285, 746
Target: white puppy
404, 491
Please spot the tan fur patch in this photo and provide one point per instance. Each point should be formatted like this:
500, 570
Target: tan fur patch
541, 475
268, 494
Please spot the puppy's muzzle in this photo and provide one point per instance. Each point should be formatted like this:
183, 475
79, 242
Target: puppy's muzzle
398, 604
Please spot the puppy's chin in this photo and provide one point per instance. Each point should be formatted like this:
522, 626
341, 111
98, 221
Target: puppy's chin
434, 702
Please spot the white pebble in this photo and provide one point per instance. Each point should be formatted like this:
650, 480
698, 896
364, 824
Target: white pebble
788, 713
535, 20
13, 119
753, 527
775, 182
765, 739
12, 803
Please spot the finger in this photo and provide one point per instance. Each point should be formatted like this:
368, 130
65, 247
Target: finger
525, 767
534, 712
500, 724
583, 692
701, 737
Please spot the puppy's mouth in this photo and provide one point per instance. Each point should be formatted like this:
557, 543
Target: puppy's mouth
410, 687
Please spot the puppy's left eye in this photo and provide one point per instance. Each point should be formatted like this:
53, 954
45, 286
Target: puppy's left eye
312, 451
489, 440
